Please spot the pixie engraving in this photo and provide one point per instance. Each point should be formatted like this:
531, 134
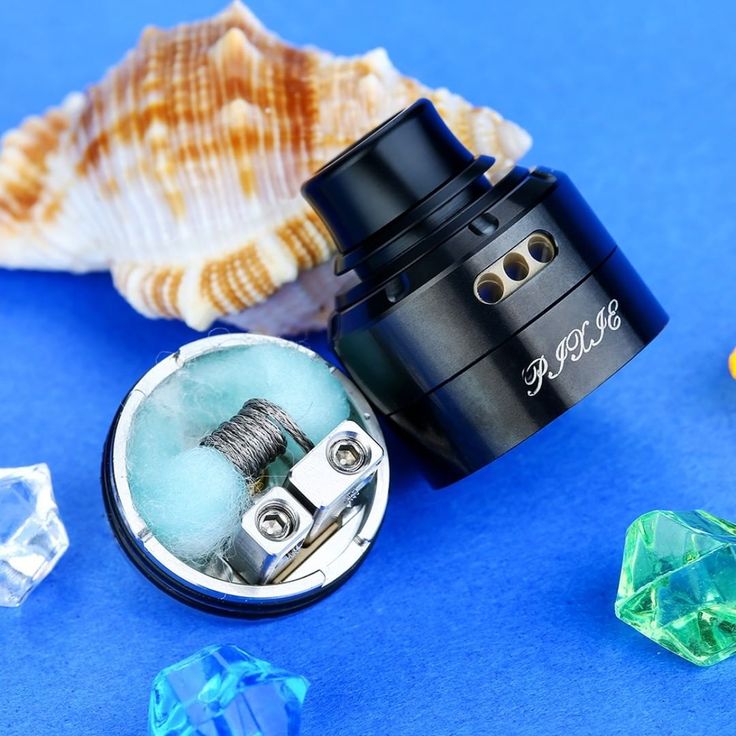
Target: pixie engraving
572, 347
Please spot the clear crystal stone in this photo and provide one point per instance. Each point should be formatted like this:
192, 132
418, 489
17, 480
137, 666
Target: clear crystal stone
32, 535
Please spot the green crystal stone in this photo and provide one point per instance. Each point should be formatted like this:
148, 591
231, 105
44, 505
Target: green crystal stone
678, 583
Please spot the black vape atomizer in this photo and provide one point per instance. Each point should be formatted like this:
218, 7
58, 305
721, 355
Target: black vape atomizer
480, 312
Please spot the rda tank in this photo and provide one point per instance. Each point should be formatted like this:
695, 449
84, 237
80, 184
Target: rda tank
477, 313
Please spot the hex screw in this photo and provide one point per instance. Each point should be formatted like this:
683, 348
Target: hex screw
347, 455
276, 522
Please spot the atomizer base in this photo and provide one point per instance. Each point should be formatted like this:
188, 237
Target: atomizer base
218, 588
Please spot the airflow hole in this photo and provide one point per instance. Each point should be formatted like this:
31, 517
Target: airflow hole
516, 267
489, 288
541, 248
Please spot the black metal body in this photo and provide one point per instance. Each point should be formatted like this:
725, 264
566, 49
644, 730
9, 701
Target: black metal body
465, 379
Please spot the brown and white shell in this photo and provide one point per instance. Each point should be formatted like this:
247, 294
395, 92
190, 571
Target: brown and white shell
180, 171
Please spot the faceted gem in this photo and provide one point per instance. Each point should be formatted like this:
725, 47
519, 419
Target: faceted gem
678, 583
222, 691
32, 536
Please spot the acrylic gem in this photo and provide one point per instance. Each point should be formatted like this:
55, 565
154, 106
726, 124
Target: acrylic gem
32, 535
678, 583
222, 691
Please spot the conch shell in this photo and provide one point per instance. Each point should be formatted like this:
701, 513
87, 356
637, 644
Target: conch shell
180, 171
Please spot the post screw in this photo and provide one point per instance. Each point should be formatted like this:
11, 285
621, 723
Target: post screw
276, 522
347, 455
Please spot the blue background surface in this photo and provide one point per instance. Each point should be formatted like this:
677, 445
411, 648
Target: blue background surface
487, 608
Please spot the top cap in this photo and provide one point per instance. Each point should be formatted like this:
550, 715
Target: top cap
386, 173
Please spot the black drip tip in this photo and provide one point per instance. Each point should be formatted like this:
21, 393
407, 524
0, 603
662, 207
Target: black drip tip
391, 179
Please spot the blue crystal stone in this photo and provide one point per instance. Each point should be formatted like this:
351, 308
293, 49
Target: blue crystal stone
223, 691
